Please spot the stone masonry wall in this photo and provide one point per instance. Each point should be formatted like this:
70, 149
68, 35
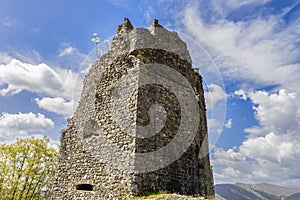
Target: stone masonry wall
189, 174
100, 148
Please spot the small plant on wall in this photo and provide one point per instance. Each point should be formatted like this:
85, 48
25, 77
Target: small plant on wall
96, 40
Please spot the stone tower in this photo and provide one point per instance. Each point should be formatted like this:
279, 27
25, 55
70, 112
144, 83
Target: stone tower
140, 125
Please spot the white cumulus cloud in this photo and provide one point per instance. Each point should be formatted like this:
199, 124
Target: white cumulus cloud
228, 124
56, 83
5, 58
14, 126
39, 78
251, 49
259, 52
277, 112
272, 158
66, 51
57, 105
214, 95
271, 152
35, 78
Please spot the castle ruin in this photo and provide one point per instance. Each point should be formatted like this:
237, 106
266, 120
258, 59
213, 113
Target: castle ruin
140, 125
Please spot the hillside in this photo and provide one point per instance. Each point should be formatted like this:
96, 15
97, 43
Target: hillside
261, 191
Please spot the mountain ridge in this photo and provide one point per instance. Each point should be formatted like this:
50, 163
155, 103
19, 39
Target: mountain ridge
261, 191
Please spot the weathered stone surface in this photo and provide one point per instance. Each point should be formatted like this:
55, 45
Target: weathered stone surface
111, 133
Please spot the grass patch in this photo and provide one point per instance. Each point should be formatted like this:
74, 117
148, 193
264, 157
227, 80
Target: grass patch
152, 194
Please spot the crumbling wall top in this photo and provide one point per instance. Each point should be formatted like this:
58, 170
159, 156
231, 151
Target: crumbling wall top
126, 26
156, 36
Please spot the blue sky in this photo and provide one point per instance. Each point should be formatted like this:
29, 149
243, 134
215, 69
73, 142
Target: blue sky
254, 46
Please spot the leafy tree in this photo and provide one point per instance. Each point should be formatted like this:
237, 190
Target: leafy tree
27, 169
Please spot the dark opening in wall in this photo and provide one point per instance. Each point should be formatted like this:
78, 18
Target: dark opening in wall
84, 186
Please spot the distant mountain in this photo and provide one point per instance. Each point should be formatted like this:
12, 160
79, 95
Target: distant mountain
263, 191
